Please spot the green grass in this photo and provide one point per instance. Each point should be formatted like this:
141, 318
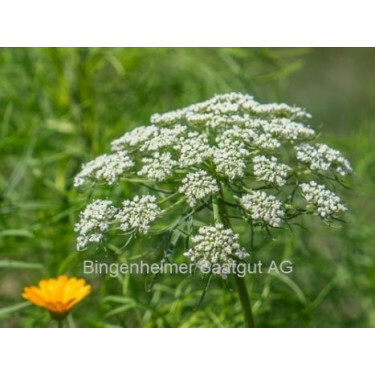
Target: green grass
60, 107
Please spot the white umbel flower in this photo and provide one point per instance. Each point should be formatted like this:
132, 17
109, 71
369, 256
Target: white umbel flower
229, 158
158, 167
322, 157
215, 245
198, 185
285, 128
164, 137
262, 152
270, 170
266, 141
94, 222
253, 136
193, 149
280, 110
169, 118
149, 138
134, 137
325, 201
263, 207
107, 167
227, 105
137, 214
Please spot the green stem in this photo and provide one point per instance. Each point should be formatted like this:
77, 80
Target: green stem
60, 323
174, 205
168, 198
215, 209
240, 281
245, 302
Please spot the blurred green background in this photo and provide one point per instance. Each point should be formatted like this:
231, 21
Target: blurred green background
60, 107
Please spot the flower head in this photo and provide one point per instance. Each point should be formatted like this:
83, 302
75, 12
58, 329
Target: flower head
137, 214
287, 129
230, 158
107, 167
193, 149
326, 202
58, 295
216, 245
263, 207
94, 222
248, 161
324, 158
158, 167
270, 170
198, 185
135, 137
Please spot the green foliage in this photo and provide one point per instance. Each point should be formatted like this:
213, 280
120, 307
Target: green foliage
61, 107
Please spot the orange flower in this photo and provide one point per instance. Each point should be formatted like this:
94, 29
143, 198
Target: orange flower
59, 295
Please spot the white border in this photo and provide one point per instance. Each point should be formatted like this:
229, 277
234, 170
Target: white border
192, 351
186, 23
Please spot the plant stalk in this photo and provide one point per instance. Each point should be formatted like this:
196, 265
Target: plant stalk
240, 281
245, 302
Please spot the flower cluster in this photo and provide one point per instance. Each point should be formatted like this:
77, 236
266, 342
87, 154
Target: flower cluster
107, 167
270, 170
135, 215
325, 201
137, 136
198, 185
261, 206
162, 138
236, 154
214, 112
321, 157
193, 149
216, 245
94, 222
229, 158
138, 213
286, 129
158, 167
